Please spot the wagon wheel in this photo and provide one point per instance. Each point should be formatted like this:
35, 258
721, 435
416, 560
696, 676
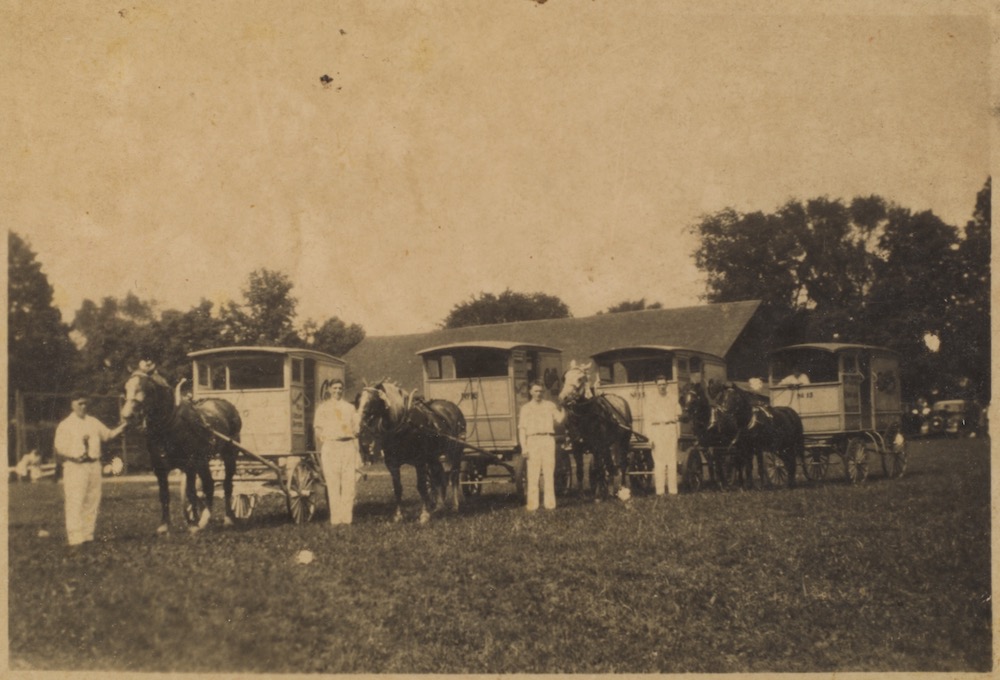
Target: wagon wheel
815, 464
243, 505
304, 488
894, 457
472, 475
642, 461
694, 473
855, 460
775, 471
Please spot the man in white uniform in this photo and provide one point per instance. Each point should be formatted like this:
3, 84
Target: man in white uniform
536, 433
336, 428
796, 377
663, 435
78, 446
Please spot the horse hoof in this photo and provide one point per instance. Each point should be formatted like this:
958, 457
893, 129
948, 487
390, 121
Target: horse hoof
206, 517
162, 529
228, 521
425, 517
397, 518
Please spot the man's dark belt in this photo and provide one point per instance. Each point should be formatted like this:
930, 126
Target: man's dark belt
538, 434
67, 459
344, 439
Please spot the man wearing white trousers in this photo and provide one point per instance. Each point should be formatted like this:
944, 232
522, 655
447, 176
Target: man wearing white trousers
78, 446
536, 433
662, 414
336, 428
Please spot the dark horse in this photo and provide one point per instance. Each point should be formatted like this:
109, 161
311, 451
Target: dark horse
413, 431
766, 429
600, 423
178, 437
715, 431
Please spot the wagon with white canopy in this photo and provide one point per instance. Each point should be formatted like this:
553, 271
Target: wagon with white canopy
631, 373
276, 391
848, 397
489, 382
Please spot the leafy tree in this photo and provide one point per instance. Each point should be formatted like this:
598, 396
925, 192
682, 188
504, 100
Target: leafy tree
966, 336
506, 307
114, 336
267, 313
867, 271
40, 353
631, 306
333, 336
176, 333
913, 294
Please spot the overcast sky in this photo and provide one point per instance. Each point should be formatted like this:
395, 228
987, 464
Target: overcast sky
168, 149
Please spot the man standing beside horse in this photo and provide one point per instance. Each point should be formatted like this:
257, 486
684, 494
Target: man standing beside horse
663, 435
536, 433
336, 428
78, 445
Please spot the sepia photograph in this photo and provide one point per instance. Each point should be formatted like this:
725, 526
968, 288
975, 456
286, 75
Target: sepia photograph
499, 337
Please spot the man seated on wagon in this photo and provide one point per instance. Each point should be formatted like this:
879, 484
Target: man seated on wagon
796, 377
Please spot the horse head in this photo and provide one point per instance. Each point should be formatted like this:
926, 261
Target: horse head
693, 402
146, 400
734, 403
575, 382
381, 406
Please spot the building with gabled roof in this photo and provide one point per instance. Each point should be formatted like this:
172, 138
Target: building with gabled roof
729, 330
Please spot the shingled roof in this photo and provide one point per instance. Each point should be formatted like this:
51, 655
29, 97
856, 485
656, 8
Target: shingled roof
710, 328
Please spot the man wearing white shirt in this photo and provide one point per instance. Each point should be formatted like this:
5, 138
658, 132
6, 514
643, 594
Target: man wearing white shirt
662, 413
536, 425
78, 446
336, 427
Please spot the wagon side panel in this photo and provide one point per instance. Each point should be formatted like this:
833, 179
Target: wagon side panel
486, 403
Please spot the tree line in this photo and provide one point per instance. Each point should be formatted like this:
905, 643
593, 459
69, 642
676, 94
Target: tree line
866, 271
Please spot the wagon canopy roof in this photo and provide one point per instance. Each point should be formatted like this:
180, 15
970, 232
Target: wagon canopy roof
712, 328
490, 344
834, 347
290, 351
663, 348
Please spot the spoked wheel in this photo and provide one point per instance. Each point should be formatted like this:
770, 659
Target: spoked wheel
472, 477
642, 463
775, 471
305, 489
815, 464
694, 472
894, 456
243, 505
855, 461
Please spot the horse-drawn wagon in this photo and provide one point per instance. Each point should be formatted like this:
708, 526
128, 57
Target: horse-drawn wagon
276, 391
631, 373
848, 397
489, 382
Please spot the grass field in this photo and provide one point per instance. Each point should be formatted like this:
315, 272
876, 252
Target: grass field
888, 576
